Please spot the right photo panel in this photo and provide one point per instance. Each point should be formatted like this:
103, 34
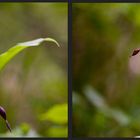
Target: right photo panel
106, 69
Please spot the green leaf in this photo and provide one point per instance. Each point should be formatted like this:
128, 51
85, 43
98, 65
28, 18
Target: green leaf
57, 131
56, 114
8, 55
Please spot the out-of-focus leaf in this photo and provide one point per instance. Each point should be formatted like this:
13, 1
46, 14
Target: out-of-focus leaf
137, 137
98, 101
8, 55
57, 132
25, 128
56, 114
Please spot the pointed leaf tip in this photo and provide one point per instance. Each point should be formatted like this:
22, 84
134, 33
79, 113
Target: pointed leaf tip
37, 42
52, 40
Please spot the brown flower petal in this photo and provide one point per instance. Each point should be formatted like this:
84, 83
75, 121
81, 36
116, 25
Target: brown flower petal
136, 51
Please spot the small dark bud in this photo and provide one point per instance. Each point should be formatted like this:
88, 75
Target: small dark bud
3, 115
136, 51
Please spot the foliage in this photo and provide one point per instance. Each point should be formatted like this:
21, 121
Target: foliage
8, 55
35, 80
60, 110
58, 116
105, 91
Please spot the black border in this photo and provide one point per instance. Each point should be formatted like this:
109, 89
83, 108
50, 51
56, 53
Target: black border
104, 138
20, 1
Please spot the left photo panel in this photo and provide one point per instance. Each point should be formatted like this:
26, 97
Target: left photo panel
34, 70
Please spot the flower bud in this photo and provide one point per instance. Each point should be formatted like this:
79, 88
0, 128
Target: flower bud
136, 51
3, 115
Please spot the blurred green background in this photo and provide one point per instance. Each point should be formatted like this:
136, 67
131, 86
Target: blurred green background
33, 85
106, 93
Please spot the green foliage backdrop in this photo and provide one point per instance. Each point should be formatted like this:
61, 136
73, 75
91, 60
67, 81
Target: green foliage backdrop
34, 83
106, 94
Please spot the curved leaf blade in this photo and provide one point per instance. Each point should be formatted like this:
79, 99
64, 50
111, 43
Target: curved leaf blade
8, 55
